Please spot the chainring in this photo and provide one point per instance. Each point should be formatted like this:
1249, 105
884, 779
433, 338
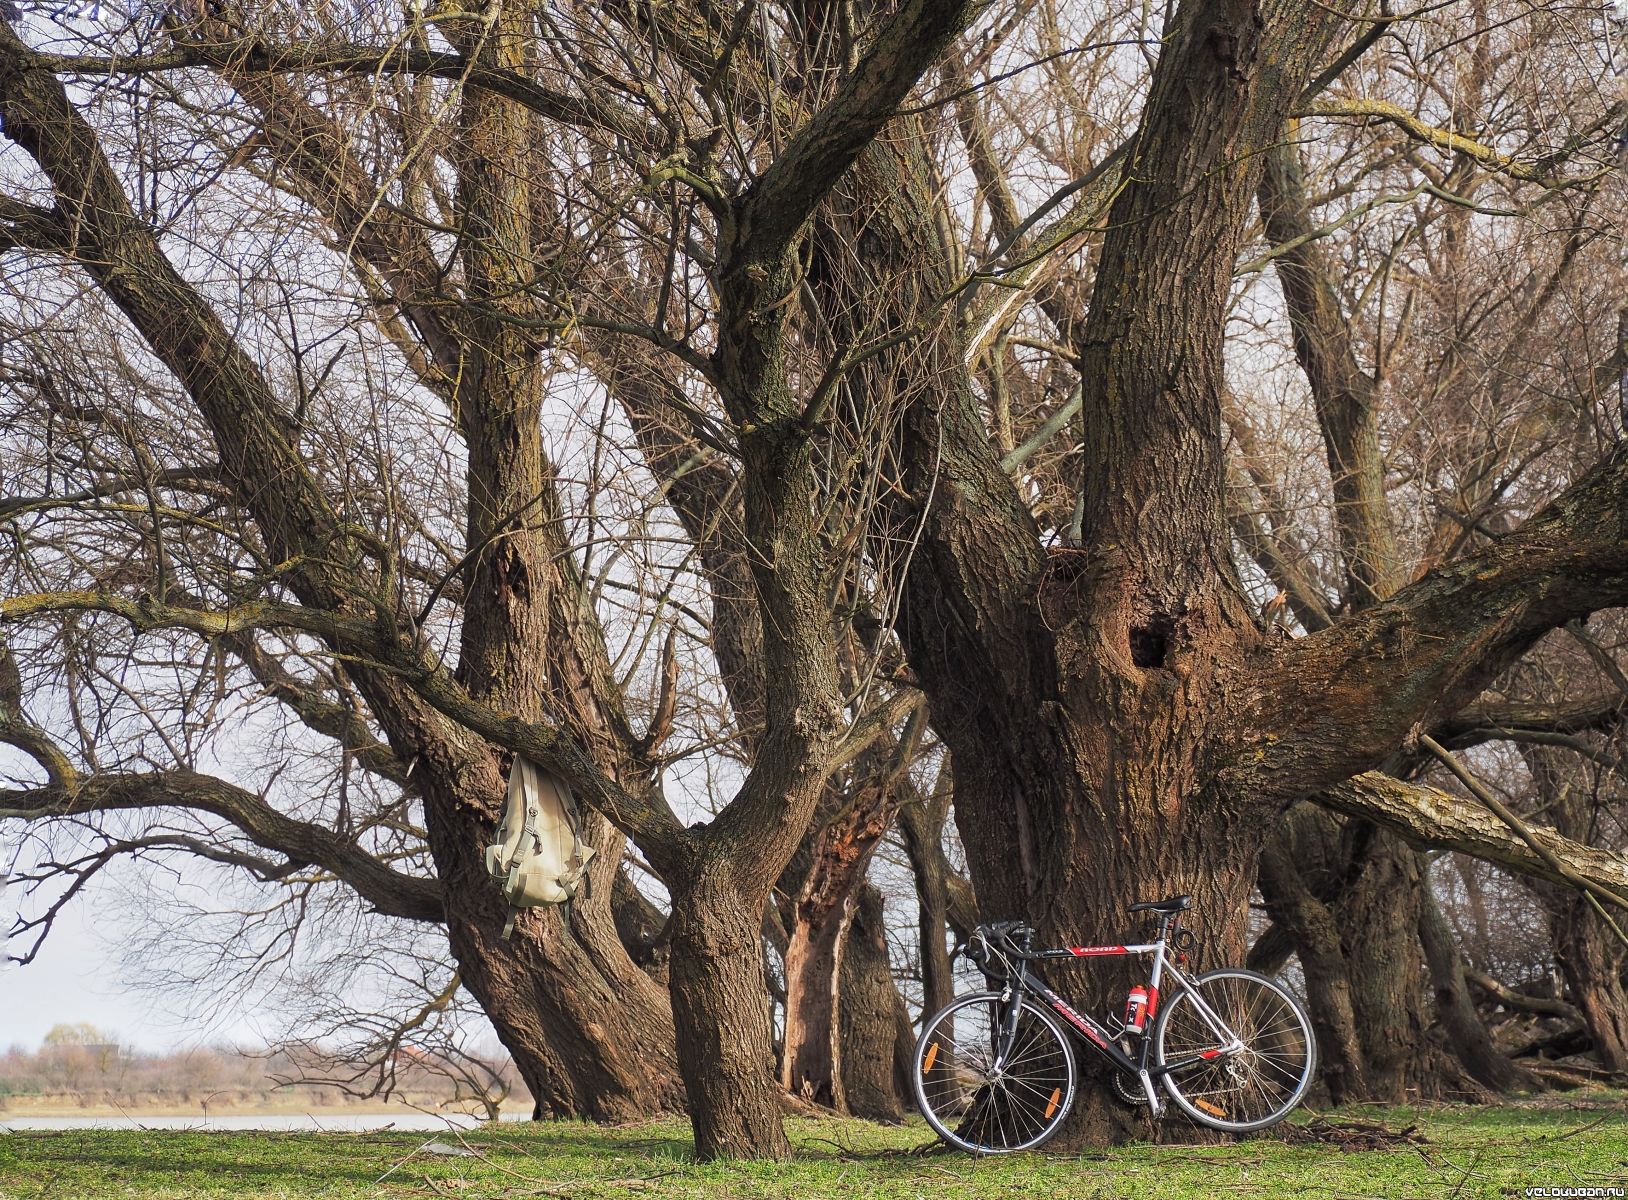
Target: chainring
1127, 1089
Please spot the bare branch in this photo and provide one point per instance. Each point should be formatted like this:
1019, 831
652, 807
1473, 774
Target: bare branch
775, 207
388, 890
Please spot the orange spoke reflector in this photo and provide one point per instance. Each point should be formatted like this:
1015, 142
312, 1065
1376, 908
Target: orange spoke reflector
1056, 1095
1210, 1108
927, 1063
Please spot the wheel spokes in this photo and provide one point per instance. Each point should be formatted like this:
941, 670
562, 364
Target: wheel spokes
986, 1101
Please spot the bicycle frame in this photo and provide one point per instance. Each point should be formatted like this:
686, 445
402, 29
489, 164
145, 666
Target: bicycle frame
1095, 1035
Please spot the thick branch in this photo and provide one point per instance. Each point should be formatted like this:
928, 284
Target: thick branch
1349, 695
651, 824
1423, 131
1346, 397
1151, 347
94, 224
318, 711
776, 206
599, 113
1493, 721
1434, 819
388, 890
1510, 998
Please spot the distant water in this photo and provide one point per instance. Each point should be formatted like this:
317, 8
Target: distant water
279, 1122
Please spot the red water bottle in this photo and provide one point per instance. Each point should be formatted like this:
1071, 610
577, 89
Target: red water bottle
1136, 1009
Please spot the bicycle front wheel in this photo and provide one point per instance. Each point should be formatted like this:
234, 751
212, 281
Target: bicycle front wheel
981, 1100
1252, 1085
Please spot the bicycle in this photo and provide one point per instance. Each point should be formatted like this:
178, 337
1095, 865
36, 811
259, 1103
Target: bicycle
995, 1072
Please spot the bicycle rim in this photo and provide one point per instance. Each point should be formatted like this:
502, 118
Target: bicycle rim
1255, 1087
975, 1106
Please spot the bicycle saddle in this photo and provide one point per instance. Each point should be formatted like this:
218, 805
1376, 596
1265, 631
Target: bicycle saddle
1175, 904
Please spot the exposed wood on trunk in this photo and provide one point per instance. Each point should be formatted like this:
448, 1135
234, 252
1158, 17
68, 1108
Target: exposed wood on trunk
821, 915
1433, 819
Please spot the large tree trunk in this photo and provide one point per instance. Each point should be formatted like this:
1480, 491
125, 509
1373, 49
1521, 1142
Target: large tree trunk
1352, 902
868, 1030
1593, 961
1594, 965
721, 1008
1088, 698
1310, 927
523, 639
1378, 917
591, 1033
1467, 1034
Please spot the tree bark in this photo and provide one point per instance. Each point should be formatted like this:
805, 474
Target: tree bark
1466, 1032
820, 922
1311, 927
1379, 921
867, 1020
1593, 962
721, 1008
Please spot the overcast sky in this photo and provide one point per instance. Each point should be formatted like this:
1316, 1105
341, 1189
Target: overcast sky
76, 978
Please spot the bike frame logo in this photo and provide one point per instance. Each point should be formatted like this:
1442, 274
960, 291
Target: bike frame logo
1076, 1020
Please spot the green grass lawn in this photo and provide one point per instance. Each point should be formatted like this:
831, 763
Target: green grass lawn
1467, 1152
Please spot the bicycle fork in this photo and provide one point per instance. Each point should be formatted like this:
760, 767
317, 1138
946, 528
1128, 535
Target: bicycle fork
1011, 1011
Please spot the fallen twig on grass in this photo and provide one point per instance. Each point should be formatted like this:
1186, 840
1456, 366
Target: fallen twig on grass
1560, 1137
1352, 1135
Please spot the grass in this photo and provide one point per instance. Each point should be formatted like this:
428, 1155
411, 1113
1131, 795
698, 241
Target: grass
1468, 1152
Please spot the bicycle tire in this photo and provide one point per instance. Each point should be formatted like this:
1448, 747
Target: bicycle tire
1254, 1088
981, 1111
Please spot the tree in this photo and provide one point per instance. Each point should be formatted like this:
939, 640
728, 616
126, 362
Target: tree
1121, 723
736, 227
335, 572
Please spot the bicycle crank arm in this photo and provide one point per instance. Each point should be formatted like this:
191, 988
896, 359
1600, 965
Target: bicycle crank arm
1155, 1100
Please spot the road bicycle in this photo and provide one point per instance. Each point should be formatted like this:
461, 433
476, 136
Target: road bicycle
995, 1070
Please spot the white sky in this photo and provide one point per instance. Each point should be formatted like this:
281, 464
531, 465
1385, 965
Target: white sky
76, 978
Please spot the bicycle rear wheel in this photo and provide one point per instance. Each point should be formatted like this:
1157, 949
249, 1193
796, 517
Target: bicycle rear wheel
1249, 1088
981, 1102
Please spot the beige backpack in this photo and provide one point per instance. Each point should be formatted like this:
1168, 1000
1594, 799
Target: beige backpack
539, 857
